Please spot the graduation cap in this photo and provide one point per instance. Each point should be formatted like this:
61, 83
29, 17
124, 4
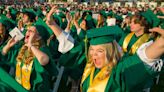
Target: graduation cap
72, 13
62, 15
30, 12
63, 9
4, 12
151, 18
2, 7
13, 13
48, 8
103, 35
90, 22
86, 12
3, 21
44, 31
57, 19
8, 23
118, 17
110, 14
103, 13
39, 14
129, 14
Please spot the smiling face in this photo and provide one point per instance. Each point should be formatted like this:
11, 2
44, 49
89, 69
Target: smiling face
98, 55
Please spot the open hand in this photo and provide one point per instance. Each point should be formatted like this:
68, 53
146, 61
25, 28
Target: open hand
50, 20
68, 17
158, 30
11, 42
20, 24
77, 15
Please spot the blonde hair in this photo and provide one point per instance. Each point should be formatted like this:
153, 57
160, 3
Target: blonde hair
2, 36
3, 30
112, 54
100, 22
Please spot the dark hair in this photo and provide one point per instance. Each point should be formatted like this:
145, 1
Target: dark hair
84, 15
31, 17
139, 19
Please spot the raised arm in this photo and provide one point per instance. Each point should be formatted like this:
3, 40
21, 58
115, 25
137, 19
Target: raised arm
156, 49
51, 23
42, 57
66, 42
9, 44
75, 20
69, 20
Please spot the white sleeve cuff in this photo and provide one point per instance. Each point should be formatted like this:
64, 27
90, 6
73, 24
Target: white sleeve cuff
22, 29
66, 42
156, 65
78, 31
67, 31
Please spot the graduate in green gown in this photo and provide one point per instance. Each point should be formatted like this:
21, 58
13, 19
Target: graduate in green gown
6, 24
139, 27
73, 73
126, 24
32, 62
86, 23
104, 70
25, 19
159, 82
101, 19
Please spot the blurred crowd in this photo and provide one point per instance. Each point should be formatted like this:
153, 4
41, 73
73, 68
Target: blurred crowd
58, 50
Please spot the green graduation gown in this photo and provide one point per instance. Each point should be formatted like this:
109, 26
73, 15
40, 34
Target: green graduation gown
129, 75
133, 40
40, 75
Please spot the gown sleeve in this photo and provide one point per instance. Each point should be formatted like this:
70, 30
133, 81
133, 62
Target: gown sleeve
132, 73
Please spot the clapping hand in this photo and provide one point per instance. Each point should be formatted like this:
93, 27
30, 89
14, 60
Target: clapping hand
50, 21
68, 17
11, 42
77, 15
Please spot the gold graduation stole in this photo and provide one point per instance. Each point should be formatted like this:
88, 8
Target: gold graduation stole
144, 38
27, 25
24, 67
86, 46
97, 83
23, 74
71, 24
1, 36
30, 24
